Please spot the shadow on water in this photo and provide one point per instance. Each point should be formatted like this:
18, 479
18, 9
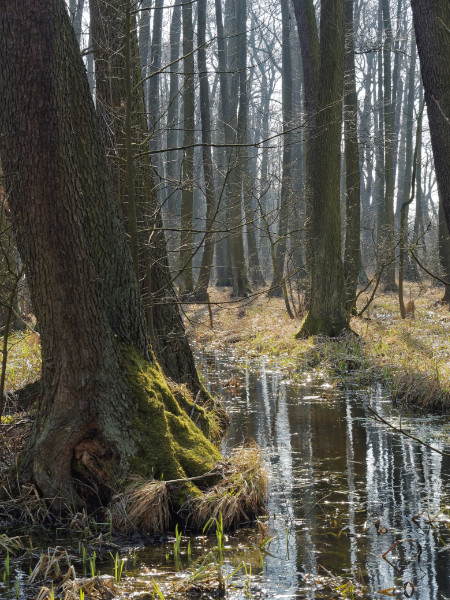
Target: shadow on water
345, 490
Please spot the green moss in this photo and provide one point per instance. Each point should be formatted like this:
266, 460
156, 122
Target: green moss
170, 445
319, 326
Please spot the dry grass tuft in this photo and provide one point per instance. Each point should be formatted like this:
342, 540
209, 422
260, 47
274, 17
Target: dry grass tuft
143, 506
50, 565
102, 587
240, 495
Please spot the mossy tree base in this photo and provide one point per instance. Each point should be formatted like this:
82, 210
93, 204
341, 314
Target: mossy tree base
321, 326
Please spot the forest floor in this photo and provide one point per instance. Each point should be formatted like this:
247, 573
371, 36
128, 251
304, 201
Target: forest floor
411, 357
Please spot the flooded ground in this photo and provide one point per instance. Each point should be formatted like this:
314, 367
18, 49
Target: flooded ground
345, 488
356, 509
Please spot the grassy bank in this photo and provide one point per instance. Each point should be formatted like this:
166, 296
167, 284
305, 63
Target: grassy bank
411, 357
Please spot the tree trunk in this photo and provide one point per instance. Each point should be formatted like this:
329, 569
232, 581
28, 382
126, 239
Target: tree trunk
352, 176
108, 19
286, 180
186, 281
405, 180
387, 234
305, 15
173, 167
104, 409
223, 267
327, 313
236, 60
432, 26
201, 290
444, 252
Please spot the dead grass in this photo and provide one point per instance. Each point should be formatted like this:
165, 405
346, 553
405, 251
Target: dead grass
143, 506
240, 495
410, 356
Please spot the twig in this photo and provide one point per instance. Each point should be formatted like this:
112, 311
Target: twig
426, 270
407, 434
195, 402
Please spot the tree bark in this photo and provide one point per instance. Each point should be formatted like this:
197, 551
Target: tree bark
327, 313
387, 239
186, 281
305, 15
113, 82
286, 180
352, 175
201, 290
104, 409
444, 252
173, 167
432, 26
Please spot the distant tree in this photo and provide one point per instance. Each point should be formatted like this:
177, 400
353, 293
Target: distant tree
327, 314
352, 175
185, 279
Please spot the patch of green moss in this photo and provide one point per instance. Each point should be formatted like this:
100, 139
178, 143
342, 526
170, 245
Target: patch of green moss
170, 445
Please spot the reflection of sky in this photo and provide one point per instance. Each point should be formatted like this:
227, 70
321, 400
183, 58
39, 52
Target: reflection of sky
335, 473
403, 479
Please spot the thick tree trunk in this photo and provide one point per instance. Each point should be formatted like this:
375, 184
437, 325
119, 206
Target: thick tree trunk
305, 15
327, 313
104, 406
432, 25
114, 80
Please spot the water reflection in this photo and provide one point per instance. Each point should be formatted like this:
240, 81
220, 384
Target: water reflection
344, 488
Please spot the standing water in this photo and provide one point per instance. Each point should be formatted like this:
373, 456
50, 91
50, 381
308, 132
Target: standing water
356, 508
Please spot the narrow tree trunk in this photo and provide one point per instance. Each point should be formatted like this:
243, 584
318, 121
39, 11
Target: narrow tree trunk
201, 290
409, 152
286, 181
388, 237
444, 252
173, 166
144, 42
352, 176
380, 151
186, 281
223, 251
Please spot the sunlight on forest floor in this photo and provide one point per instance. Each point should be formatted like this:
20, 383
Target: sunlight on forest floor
411, 356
